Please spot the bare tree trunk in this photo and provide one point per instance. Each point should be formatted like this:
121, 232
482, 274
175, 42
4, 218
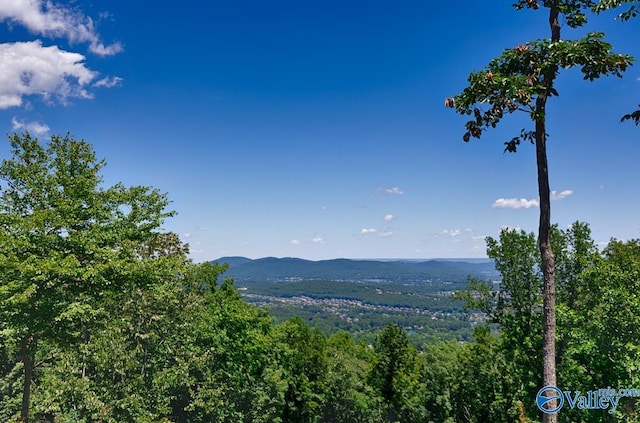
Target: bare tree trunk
27, 363
544, 231
548, 265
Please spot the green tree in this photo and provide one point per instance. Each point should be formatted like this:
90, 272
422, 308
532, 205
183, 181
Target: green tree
515, 308
441, 366
349, 398
522, 79
601, 328
227, 361
393, 360
597, 326
301, 363
65, 241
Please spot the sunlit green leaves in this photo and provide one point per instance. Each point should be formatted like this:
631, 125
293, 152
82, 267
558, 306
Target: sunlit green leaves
67, 243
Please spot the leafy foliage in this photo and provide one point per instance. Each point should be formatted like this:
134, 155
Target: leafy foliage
597, 315
66, 242
514, 80
625, 15
634, 116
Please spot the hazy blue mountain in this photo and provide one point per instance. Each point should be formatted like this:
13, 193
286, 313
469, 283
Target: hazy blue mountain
234, 261
402, 271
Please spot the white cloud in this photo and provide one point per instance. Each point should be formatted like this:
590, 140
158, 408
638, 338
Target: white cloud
36, 128
294, 242
374, 231
479, 237
394, 191
187, 235
318, 239
28, 68
108, 82
523, 203
452, 232
514, 203
56, 21
390, 191
560, 196
389, 217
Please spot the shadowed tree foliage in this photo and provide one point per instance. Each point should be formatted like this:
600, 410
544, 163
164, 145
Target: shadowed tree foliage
393, 360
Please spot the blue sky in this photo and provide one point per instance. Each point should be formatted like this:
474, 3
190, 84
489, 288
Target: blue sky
317, 129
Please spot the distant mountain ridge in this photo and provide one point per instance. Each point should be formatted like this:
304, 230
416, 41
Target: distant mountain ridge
288, 268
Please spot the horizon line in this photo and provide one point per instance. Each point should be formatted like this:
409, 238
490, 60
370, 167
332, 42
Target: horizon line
357, 258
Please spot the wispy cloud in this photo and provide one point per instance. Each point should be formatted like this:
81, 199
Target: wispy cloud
555, 195
376, 232
389, 217
56, 21
108, 82
514, 203
36, 128
523, 203
452, 232
294, 242
390, 191
318, 239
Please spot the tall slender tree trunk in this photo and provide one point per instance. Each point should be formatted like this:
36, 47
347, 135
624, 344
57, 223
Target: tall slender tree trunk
544, 230
27, 363
548, 266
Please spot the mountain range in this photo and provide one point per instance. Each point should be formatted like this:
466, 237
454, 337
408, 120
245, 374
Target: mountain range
243, 269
